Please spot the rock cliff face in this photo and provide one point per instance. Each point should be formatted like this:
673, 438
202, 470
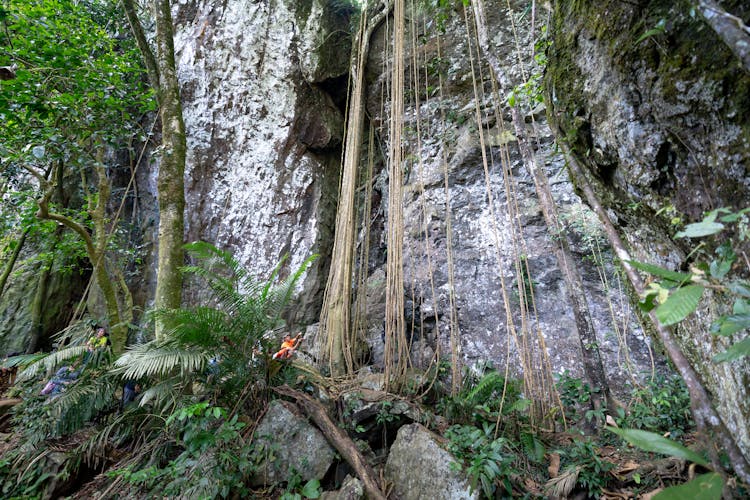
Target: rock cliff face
263, 84
658, 113
446, 184
662, 124
263, 132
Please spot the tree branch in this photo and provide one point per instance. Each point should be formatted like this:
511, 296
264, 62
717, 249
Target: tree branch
337, 438
729, 28
149, 60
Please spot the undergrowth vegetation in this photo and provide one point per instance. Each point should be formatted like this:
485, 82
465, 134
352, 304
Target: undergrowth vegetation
206, 384
202, 383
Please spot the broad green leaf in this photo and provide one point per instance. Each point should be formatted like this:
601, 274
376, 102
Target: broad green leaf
720, 268
734, 217
740, 287
738, 350
704, 487
649, 441
729, 325
700, 229
311, 489
679, 305
741, 307
666, 274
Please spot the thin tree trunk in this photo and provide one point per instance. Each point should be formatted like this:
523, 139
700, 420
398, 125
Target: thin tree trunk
592, 361
170, 181
13, 259
338, 439
152, 70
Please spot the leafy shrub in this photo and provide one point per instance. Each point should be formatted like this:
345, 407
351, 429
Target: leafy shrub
215, 460
662, 405
481, 397
574, 395
592, 470
488, 461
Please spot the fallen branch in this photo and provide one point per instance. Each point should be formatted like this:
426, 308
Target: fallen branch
338, 438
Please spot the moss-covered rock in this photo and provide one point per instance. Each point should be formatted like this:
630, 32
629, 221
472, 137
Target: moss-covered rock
657, 110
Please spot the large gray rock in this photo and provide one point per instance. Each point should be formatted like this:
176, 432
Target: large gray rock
420, 469
290, 445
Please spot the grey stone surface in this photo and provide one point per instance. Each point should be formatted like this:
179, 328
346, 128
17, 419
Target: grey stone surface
419, 468
662, 128
351, 489
291, 445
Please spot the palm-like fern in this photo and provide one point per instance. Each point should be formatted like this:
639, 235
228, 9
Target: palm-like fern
228, 332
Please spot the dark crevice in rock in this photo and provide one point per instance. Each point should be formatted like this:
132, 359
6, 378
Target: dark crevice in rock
336, 88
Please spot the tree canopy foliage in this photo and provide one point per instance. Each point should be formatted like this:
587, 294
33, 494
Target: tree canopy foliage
76, 96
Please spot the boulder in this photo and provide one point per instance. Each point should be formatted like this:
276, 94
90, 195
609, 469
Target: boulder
419, 468
289, 445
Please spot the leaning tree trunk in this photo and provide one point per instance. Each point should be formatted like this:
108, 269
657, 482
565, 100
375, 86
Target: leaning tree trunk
705, 415
338, 438
592, 361
12, 261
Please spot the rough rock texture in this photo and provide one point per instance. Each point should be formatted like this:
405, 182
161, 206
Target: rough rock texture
63, 295
294, 444
419, 468
485, 244
263, 134
662, 124
351, 489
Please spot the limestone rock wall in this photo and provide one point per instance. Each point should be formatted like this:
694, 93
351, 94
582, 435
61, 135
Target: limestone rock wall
487, 240
662, 125
263, 133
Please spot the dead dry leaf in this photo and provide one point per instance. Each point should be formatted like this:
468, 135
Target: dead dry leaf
651, 494
562, 485
554, 464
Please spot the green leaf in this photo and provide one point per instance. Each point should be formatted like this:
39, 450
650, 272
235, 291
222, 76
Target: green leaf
679, 305
740, 287
700, 229
311, 489
666, 274
704, 487
649, 441
738, 350
720, 268
729, 325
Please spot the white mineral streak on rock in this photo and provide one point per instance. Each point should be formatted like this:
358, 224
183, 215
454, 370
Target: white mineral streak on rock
246, 179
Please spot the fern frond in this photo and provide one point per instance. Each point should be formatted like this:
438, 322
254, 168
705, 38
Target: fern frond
491, 382
51, 361
151, 359
82, 400
163, 395
278, 297
23, 360
204, 326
